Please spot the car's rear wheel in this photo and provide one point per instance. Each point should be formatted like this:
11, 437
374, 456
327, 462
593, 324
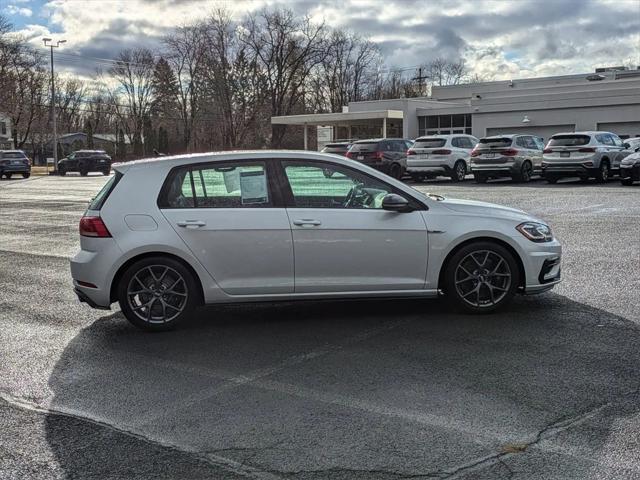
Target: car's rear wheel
8, 175
396, 171
481, 277
157, 293
479, 178
459, 171
26, 175
84, 172
526, 171
106, 171
603, 173
626, 181
62, 171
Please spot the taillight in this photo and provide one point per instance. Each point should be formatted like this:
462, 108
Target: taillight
348, 154
93, 227
547, 150
587, 150
378, 155
475, 153
441, 152
510, 152
411, 152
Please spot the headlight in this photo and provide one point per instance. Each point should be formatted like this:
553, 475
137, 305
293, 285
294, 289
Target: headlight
536, 232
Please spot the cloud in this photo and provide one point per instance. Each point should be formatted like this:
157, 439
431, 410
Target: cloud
499, 39
21, 11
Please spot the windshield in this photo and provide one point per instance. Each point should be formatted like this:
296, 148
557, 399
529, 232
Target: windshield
364, 147
569, 140
495, 142
429, 142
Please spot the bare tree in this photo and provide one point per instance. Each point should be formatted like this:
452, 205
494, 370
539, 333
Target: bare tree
287, 49
70, 99
133, 98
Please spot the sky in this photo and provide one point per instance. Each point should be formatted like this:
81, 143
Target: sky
499, 39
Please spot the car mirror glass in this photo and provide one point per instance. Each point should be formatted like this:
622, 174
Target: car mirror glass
626, 145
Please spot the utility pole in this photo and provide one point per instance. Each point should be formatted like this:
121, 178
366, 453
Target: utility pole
420, 79
49, 43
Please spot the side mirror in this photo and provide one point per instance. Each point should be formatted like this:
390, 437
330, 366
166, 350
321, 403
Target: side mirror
626, 146
395, 203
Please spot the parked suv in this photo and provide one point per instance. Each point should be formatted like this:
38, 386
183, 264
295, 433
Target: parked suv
339, 147
389, 155
14, 161
583, 154
85, 161
440, 155
516, 156
630, 166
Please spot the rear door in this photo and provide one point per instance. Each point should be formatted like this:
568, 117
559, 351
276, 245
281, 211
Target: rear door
230, 216
343, 240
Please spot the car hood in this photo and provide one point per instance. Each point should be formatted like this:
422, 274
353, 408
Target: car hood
487, 209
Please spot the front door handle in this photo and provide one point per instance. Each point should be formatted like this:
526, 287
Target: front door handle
304, 222
191, 223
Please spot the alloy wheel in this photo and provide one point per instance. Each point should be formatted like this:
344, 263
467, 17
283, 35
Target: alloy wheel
604, 172
483, 278
157, 294
461, 171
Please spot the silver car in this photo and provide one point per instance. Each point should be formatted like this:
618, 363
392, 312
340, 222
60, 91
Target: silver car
583, 154
440, 155
166, 235
516, 156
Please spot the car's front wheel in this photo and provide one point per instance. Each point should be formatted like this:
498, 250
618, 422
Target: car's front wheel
26, 175
481, 277
396, 171
626, 181
602, 175
157, 293
459, 171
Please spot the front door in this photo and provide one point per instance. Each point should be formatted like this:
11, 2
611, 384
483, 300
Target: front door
227, 216
343, 239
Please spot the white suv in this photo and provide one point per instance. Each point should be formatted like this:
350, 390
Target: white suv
584, 155
440, 155
166, 235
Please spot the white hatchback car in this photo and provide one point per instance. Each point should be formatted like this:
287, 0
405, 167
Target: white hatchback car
440, 155
165, 235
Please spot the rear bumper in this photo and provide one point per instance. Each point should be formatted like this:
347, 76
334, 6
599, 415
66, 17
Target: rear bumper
497, 169
426, 169
84, 298
568, 169
631, 171
14, 169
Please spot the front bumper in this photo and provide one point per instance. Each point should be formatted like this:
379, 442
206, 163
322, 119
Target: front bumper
630, 171
543, 269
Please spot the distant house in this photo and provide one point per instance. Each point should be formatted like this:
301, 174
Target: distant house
5, 132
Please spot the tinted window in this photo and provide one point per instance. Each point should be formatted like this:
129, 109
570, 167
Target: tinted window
218, 186
13, 155
103, 194
429, 142
569, 140
495, 142
616, 140
319, 186
364, 147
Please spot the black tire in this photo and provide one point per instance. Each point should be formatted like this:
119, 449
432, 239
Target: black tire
525, 173
62, 171
417, 178
157, 279
8, 175
106, 171
479, 178
26, 175
472, 290
84, 172
551, 178
459, 171
396, 171
626, 181
604, 172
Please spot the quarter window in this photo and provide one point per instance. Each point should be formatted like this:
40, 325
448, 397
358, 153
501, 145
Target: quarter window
321, 186
218, 186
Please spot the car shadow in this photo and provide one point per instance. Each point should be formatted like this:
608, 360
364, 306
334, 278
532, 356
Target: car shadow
542, 358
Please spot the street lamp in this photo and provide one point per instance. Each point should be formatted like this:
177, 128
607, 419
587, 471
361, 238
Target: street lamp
49, 43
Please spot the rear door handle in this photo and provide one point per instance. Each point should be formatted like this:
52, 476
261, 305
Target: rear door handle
307, 222
191, 223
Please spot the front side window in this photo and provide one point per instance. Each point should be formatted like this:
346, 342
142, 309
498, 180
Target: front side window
331, 186
231, 185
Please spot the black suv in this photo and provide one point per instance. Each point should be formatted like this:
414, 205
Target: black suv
389, 155
85, 161
14, 161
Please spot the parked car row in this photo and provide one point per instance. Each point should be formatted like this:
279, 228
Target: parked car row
598, 155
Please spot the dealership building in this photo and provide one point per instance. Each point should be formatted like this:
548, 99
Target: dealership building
608, 99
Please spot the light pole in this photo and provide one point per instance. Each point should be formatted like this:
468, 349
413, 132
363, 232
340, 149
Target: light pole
48, 43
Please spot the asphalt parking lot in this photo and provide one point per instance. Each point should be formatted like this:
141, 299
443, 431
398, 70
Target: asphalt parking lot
549, 388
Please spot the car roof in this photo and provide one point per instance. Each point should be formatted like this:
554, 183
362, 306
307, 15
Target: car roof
13, 151
89, 151
509, 135
583, 132
371, 140
444, 135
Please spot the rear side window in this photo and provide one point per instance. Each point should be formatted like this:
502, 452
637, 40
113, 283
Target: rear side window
569, 140
364, 147
495, 142
429, 142
217, 186
103, 194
